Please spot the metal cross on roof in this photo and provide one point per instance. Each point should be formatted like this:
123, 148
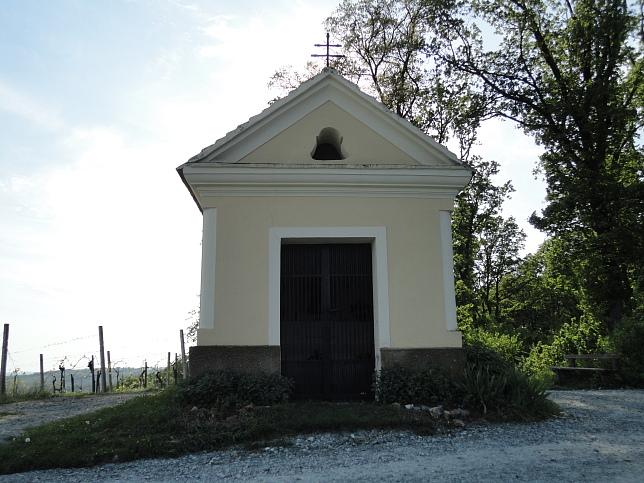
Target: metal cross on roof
327, 55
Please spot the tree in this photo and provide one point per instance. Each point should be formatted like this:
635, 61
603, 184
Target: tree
486, 246
541, 295
386, 47
392, 47
570, 74
389, 47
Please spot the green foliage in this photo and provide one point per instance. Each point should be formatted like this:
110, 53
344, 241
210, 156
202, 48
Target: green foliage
482, 343
585, 336
542, 356
541, 295
404, 386
480, 355
392, 385
571, 74
25, 396
264, 389
154, 426
486, 246
508, 391
526, 393
627, 340
483, 385
431, 387
488, 384
136, 429
229, 389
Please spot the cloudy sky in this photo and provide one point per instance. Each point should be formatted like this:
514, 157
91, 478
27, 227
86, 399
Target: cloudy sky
99, 103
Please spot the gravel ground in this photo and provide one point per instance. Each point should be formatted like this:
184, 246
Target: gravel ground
599, 438
40, 411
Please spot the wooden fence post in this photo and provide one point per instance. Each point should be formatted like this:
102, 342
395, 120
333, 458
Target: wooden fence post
91, 370
184, 362
168, 382
42, 373
3, 364
175, 369
102, 347
109, 369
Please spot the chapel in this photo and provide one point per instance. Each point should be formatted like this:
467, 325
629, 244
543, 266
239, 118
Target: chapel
327, 243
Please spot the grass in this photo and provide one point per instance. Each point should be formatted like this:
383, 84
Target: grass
212, 412
4, 414
25, 396
154, 426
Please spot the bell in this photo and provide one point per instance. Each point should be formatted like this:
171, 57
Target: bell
328, 145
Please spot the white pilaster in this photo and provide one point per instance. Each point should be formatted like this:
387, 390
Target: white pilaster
447, 251
208, 257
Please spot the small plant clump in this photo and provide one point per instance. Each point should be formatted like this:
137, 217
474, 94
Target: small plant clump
490, 385
404, 386
227, 389
507, 392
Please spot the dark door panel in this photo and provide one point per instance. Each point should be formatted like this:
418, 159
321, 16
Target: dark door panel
327, 320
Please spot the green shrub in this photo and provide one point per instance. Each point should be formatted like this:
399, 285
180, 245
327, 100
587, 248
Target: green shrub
507, 347
431, 388
404, 386
483, 386
264, 389
584, 336
480, 355
542, 357
228, 389
627, 340
527, 393
508, 392
392, 385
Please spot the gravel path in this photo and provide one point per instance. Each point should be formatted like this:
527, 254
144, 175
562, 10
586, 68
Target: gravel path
40, 411
599, 438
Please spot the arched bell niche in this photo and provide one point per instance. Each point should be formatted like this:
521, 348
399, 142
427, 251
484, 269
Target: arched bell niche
328, 145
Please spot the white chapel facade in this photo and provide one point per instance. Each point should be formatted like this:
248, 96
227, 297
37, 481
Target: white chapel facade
327, 246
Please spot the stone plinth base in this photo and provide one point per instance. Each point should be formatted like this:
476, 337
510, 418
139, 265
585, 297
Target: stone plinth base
448, 360
243, 359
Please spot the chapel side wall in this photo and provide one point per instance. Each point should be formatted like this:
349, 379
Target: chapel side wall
416, 298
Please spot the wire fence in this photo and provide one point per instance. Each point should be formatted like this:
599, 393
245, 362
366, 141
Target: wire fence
64, 368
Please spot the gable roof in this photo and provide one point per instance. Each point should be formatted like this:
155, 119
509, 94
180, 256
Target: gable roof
267, 157
328, 86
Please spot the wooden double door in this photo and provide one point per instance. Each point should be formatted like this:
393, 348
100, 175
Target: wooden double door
327, 324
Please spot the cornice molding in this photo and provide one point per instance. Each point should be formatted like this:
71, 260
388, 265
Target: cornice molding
214, 179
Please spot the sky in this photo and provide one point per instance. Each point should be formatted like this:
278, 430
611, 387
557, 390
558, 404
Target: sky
99, 104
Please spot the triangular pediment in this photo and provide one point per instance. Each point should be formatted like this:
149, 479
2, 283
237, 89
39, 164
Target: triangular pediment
287, 131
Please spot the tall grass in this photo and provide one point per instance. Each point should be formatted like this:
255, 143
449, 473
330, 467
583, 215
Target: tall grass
507, 391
